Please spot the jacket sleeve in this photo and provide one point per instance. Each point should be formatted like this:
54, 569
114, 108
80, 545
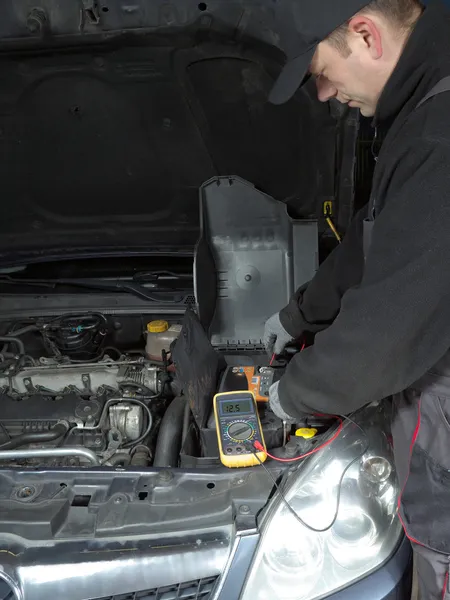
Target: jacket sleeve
395, 325
315, 305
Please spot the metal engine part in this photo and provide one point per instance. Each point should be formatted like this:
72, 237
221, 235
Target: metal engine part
105, 404
87, 379
127, 419
32, 453
91, 420
101, 402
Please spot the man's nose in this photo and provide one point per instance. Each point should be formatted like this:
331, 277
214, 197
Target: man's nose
325, 89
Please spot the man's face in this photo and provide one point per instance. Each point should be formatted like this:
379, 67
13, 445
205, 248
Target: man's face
355, 80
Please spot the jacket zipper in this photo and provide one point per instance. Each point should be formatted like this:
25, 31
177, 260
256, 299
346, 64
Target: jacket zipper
374, 141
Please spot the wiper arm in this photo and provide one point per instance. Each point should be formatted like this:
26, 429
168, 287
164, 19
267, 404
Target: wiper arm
168, 278
117, 285
126, 287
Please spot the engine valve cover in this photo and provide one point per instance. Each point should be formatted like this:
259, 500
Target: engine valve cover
83, 379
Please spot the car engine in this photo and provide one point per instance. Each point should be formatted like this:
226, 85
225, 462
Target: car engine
78, 405
103, 406
80, 390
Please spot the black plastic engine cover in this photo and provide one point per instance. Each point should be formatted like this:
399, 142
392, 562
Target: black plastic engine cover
40, 413
40, 408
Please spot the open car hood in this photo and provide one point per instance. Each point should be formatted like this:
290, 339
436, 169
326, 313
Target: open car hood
112, 115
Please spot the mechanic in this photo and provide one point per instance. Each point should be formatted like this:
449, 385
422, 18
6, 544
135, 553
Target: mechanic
379, 305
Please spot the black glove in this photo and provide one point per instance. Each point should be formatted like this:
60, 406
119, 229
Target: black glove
275, 336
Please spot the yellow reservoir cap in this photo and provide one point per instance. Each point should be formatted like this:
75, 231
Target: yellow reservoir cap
157, 326
306, 432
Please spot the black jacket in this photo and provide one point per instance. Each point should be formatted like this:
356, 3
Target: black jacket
382, 323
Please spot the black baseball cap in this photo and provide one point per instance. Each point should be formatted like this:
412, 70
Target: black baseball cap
303, 24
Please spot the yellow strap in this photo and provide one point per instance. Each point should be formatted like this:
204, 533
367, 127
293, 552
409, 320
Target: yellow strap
333, 229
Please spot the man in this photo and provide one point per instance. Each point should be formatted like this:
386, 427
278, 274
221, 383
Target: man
380, 304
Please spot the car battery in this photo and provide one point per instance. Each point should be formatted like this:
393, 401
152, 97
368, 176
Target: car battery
252, 378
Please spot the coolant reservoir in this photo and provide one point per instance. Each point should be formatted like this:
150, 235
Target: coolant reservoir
159, 338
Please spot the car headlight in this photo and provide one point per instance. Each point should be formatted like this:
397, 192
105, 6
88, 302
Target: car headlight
350, 485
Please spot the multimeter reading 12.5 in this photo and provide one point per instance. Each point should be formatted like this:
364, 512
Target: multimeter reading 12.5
238, 428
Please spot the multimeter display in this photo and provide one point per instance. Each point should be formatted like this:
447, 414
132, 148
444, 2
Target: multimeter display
241, 406
238, 428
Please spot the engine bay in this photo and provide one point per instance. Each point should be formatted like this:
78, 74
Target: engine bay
80, 390
118, 389
63, 388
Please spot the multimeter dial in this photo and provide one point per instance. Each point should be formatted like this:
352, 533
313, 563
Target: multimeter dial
240, 431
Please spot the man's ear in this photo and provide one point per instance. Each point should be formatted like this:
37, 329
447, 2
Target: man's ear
367, 34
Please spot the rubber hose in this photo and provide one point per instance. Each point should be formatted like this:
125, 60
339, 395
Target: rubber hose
7, 363
168, 445
35, 437
26, 329
140, 457
121, 458
9, 339
186, 420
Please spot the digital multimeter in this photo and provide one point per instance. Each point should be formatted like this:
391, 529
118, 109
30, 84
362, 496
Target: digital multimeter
238, 428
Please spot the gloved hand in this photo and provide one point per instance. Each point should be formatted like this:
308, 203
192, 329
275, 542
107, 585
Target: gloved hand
275, 406
275, 336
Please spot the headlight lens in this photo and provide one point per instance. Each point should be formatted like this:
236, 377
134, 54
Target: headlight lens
294, 562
